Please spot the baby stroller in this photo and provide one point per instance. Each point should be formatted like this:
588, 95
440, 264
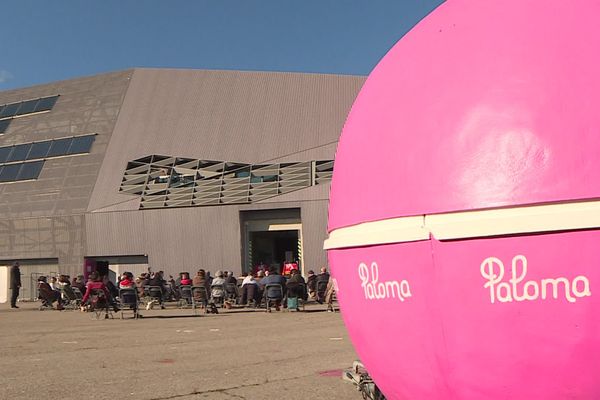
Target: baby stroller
359, 376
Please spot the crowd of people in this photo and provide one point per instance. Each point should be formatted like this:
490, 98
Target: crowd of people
224, 289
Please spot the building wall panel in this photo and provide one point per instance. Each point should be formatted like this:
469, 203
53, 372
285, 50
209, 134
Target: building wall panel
238, 116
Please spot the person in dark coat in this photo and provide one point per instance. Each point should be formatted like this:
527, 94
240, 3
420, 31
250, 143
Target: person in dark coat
296, 286
274, 278
15, 284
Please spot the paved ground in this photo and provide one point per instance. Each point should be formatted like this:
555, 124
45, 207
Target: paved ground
168, 354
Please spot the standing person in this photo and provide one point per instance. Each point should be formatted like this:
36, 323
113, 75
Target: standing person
15, 284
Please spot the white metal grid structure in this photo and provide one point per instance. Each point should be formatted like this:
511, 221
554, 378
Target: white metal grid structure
165, 181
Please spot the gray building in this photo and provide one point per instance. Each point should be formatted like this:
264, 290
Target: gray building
170, 169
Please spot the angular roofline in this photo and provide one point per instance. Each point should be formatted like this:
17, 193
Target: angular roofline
133, 69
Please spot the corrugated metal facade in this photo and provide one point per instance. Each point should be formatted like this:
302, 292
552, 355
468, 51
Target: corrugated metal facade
249, 117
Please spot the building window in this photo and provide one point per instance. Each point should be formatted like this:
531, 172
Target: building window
20, 172
11, 170
18, 109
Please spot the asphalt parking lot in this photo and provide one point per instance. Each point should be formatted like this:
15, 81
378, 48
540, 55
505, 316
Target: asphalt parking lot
170, 354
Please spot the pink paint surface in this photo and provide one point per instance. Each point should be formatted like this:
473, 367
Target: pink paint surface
482, 104
448, 341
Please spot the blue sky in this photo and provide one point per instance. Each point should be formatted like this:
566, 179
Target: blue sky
44, 41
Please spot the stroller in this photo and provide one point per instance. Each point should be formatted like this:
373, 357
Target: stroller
359, 376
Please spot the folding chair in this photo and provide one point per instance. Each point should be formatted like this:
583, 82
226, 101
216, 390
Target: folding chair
231, 291
46, 303
217, 295
251, 295
321, 290
99, 304
153, 293
185, 297
129, 302
297, 291
70, 299
78, 294
273, 295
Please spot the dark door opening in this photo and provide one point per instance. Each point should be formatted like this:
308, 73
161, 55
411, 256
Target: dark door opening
273, 248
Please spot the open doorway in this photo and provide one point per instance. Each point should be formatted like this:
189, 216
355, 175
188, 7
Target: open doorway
271, 237
274, 247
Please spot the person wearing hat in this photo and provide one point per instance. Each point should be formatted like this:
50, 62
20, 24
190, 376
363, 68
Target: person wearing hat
15, 284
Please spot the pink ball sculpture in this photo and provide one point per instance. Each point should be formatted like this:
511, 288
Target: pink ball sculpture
464, 220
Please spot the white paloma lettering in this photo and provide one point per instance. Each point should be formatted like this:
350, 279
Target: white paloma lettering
517, 289
375, 290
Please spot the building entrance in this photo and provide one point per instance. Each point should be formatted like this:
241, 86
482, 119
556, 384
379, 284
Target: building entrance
271, 237
273, 248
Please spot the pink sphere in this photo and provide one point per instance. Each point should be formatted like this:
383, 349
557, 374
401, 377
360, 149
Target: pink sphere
483, 105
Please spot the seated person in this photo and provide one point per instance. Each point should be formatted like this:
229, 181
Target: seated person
250, 290
321, 285
128, 300
185, 279
126, 281
217, 288
274, 278
141, 282
54, 284
231, 284
95, 283
157, 281
65, 288
200, 280
230, 278
47, 295
296, 286
219, 279
259, 275
323, 276
79, 284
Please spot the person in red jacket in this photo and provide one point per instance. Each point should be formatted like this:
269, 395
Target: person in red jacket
127, 281
95, 283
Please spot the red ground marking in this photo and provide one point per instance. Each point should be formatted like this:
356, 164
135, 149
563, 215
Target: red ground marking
332, 373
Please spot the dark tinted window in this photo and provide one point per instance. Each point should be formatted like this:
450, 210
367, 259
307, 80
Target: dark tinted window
9, 110
4, 152
30, 170
81, 144
19, 152
27, 107
59, 147
4, 125
9, 172
39, 150
46, 103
